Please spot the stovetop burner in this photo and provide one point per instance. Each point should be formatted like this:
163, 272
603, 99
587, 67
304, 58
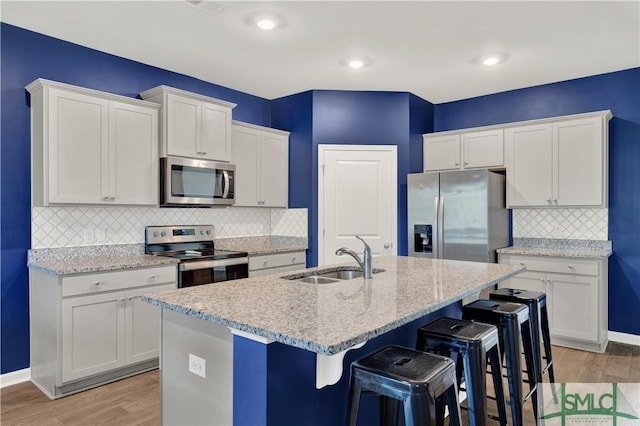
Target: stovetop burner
195, 255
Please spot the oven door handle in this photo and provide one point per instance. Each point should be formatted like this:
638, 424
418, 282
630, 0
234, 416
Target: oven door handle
205, 264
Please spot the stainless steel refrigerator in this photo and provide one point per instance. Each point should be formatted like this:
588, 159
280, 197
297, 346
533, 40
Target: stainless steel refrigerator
458, 215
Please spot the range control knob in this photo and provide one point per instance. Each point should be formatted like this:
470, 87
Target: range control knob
156, 233
208, 231
163, 233
201, 232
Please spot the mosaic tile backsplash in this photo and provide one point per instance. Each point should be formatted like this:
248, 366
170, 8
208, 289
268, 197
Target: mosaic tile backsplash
575, 224
85, 226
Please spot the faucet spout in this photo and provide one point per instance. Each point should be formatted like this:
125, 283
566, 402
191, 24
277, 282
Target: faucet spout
365, 265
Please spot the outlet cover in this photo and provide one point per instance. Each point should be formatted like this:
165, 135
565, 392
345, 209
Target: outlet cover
87, 235
198, 366
100, 235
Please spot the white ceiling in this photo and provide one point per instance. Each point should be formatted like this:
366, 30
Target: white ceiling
428, 48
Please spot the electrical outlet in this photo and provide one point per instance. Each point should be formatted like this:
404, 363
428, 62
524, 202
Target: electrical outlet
87, 236
100, 235
198, 366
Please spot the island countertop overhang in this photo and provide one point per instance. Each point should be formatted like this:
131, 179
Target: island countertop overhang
330, 318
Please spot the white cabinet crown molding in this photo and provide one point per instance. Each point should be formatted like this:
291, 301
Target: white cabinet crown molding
41, 83
263, 128
168, 89
606, 114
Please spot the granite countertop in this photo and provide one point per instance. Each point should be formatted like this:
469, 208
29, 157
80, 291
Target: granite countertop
587, 249
263, 244
99, 264
330, 318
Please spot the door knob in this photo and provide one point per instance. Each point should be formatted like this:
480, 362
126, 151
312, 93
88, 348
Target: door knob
387, 245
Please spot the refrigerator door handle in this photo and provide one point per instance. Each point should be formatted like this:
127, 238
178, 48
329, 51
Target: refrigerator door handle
440, 221
435, 236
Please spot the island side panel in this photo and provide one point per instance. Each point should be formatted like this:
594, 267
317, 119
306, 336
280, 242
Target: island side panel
188, 398
274, 384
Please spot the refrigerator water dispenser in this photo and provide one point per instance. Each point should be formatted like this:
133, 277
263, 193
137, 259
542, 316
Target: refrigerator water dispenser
422, 238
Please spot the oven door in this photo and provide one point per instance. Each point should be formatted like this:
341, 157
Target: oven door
196, 182
202, 272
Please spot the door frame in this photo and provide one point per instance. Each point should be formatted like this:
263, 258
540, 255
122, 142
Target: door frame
393, 149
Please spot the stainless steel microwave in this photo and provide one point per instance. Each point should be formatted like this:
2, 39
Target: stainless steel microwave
191, 182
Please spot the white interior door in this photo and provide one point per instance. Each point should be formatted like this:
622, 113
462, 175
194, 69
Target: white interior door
357, 195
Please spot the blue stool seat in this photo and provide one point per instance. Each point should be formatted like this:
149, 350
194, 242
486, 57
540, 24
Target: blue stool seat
475, 343
512, 321
421, 381
537, 303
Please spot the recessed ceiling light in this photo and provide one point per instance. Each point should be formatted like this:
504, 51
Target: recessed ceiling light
266, 24
356, 64
491, 60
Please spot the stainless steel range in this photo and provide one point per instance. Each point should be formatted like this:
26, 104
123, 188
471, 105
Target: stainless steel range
193, 246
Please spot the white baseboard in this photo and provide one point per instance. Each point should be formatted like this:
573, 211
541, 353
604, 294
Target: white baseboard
15, 377
629, 339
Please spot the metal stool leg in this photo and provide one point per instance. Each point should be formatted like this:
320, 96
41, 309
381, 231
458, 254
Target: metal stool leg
353, 402
496, 374
546, 340
511, 348
529, 356
476, 386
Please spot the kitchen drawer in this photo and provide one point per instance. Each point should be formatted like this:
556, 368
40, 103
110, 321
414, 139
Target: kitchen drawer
117, 280
555, 264
277, 260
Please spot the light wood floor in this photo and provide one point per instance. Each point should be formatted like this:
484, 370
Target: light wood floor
135, 401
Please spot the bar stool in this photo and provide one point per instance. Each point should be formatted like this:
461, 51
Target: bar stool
537, 303
420, 380
474, 342
512, 321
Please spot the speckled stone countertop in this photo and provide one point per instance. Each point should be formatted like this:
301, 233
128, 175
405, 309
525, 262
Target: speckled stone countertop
80, 260
263, 244
589, 249
330, 318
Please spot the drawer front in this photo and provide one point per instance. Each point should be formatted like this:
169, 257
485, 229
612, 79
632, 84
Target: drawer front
553, 264
117, 280
277, 260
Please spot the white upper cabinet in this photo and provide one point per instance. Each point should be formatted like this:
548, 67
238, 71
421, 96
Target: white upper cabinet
261, 157
193, 125
91, 147
463, 150
558, 163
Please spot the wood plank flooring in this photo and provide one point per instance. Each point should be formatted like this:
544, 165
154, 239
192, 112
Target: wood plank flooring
135, 401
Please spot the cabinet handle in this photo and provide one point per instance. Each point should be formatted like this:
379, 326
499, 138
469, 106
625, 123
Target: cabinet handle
571, 267
130, 298
96, 284
555, 201
293, 259
153, 277
105, 198
542, 279
466, 162
521, 263
457, 164
549, 201
264, 263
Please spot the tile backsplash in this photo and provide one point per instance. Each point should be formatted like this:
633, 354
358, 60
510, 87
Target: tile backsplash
575, 224
84, 226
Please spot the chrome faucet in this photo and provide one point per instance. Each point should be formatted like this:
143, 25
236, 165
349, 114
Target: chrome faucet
364, 265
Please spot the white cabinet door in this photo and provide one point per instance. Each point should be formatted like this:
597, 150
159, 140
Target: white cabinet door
133, 154
579, 169
483, 149
573, 306
529, 165
245, 151
275, 170
78, 148
441, 153
183, 126
92, 334
142, 322
216, 132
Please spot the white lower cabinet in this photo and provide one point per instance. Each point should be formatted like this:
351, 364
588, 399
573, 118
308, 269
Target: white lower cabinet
577, 296
267, 264
89, 329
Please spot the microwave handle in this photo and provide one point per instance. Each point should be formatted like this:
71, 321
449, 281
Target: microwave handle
225, 192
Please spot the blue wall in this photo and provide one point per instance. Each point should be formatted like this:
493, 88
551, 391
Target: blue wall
619, 92
351, 118
26, 56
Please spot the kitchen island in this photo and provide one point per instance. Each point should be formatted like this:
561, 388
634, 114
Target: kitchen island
271, 350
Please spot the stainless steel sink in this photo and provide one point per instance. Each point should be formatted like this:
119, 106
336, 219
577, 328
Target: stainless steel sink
329, 275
